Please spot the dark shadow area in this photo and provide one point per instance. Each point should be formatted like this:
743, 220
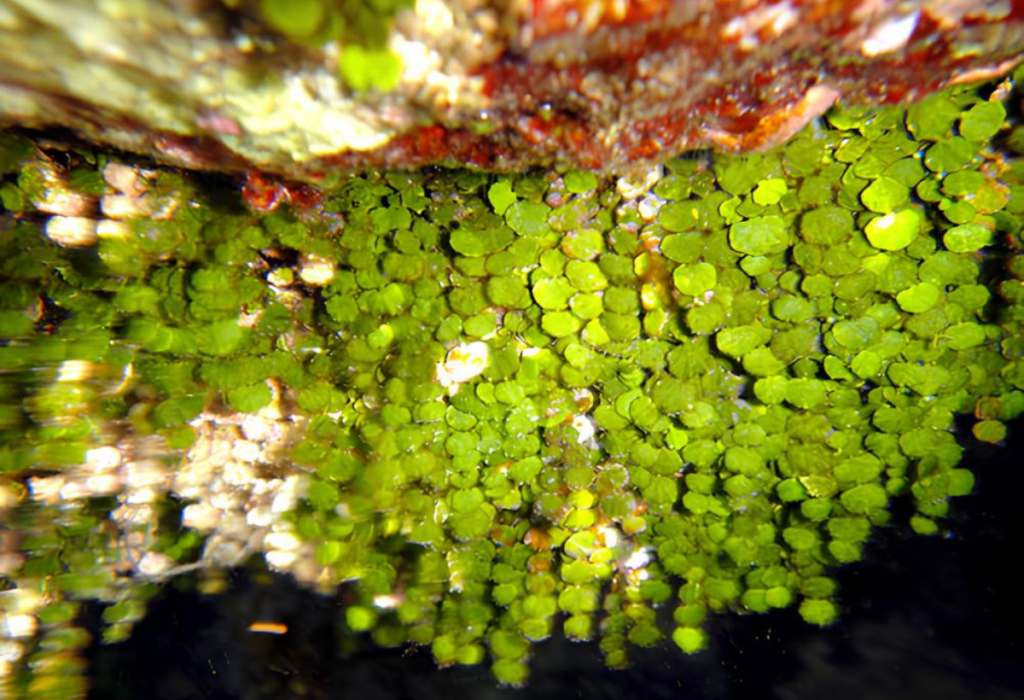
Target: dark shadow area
935, 618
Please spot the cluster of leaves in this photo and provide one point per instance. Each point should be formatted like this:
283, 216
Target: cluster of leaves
360, 26
68, 552
765, 363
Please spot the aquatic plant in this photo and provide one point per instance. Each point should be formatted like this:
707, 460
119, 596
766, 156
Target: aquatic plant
493, 406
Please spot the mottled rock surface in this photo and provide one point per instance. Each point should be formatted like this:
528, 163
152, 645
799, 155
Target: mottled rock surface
496, 85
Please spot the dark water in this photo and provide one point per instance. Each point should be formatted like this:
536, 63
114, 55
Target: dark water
929, 618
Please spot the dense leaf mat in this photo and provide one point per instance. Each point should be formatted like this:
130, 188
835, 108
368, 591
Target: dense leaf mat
537, 400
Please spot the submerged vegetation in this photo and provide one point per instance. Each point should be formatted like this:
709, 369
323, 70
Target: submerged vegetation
529, 402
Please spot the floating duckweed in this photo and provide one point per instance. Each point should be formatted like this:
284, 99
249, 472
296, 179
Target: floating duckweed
250, 398
761, 235
932, 118
559, 324
583, 245
769, 192
894, 231
585, 276
682, 247
587, 306
867, 364
864, 498
818, 612
948, 155
300, 19
553, 293
965, 335
581, 182
738, 341
771, 390
962, 183
528, 218
695, 279
475, 242
967, 238
501, 196
826, 225
365, 68
517, 417
919, 298
982, 121
856, 334
508, 292
884, 195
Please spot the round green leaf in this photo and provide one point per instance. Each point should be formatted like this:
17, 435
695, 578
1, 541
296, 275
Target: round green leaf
856, 334
950, 154
553, 293
866, 364
586, 306
965, 335
508, 292
864, 498
705, 319
769, 192
885, 195
738, 341
982, 121
584, 244
792, 308
990, 431
586, 276
501, 196
791, 490
528, 218
323, 496
249, 398
298, 19
967, 238
924, 526
962, 183
861, 469
474, 242
678, 216
696, 503
771, 390
369, 68
818, 612
762, 235
961, 482
919, 298
799, 538
690, 639
894, 231
560, 324
738, 174
682, 247
580, 181
467, 500
695, 279
932, 118
805, 393
826, 225
778, 597
762, 362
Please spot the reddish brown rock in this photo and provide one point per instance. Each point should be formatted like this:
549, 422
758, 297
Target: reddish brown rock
601, 84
